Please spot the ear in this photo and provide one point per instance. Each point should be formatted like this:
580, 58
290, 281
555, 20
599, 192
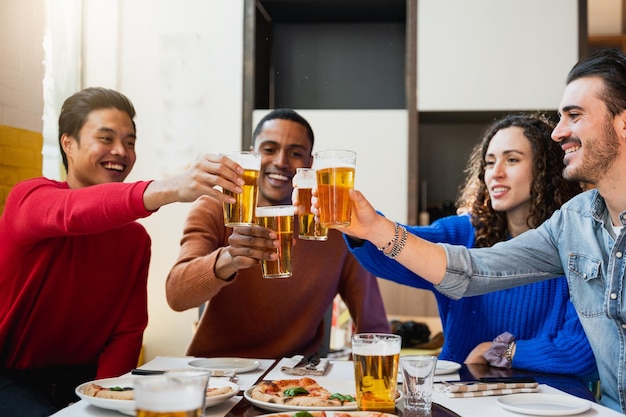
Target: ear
620, 125
68, 143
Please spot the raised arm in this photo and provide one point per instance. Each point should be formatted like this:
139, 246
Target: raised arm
201, 179
424, 258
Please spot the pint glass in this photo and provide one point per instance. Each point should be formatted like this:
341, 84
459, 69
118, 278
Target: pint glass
309, 229
241, 212
279, 219
335, 171
376, 357
171, 395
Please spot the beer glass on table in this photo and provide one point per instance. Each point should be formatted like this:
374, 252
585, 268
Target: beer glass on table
335, 170
376, 357
309, 228
241, 212
173, 394
279, 219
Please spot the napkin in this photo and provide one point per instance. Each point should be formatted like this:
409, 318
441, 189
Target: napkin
483, 389
289, 366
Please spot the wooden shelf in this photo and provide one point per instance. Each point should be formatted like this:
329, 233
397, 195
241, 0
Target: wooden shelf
607, 41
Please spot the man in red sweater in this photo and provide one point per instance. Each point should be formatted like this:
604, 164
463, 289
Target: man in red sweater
74, 262
253, 317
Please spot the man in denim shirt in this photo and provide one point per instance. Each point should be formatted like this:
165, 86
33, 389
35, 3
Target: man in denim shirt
583, 240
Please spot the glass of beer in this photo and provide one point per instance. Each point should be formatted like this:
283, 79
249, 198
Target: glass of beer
279, 219
335, 171
376, 357
309, 229
241, 212
174, 394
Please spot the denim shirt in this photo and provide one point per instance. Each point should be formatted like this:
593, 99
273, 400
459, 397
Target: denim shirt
578, 242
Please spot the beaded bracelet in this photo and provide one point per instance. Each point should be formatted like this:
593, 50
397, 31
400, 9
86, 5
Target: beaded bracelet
397, 243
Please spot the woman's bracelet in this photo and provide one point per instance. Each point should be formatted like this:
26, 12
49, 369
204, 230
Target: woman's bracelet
397, 243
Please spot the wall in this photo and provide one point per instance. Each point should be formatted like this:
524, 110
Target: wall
21, 92
494, 55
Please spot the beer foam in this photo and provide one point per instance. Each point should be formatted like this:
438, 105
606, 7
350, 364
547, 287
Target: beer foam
275, 211
380, 348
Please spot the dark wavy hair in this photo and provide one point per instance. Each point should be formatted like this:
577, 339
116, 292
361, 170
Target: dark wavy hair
549, 189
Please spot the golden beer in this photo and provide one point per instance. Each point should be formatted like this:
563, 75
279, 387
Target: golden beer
241, 212
376, 358
309, 229
191, 413
333, 186
279, 219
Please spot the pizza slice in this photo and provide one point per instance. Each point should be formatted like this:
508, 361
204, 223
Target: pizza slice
305, 392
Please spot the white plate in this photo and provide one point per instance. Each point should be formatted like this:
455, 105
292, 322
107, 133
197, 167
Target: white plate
334, 386
544, 404
239, 365
446, 367
128, 406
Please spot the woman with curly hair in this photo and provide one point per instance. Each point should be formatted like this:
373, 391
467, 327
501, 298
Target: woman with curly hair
513, 184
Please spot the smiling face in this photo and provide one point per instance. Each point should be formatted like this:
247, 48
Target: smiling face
105, 151
586, 131
509, 172
284, 145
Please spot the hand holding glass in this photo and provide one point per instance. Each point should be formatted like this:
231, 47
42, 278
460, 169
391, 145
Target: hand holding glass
279, 219
241, 212
309, 227
375, 358
418, 372
174, 394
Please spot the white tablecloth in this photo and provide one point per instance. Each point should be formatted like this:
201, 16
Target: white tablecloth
339, 370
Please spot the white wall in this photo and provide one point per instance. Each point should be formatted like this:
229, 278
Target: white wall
494, 55
181, 65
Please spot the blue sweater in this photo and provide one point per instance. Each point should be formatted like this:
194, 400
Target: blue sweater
544, 322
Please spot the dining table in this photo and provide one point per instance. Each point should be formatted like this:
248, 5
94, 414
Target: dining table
570, 388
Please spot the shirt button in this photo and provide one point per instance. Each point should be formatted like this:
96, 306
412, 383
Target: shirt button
613, 296
623, 325
618, 254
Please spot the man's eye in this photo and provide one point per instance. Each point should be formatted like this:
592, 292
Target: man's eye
105, 138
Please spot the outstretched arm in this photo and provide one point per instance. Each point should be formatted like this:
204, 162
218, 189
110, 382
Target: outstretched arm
208, 172
424, 258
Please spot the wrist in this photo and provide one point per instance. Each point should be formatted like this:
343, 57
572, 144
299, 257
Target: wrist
501, 352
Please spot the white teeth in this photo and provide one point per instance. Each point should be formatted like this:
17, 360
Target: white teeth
111, 165
278, 177
499, 189
572, 149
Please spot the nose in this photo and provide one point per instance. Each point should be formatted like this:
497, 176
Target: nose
118, 148
498, 170
281, 159
560, 132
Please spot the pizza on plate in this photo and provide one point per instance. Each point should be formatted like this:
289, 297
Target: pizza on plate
126, 393
305, 392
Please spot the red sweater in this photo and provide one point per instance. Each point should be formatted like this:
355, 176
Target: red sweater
73, 275
250, 316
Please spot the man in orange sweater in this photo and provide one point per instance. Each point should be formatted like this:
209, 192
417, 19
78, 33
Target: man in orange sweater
247, 315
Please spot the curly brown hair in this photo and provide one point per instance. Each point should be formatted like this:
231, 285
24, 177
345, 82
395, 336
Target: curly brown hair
549, 189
